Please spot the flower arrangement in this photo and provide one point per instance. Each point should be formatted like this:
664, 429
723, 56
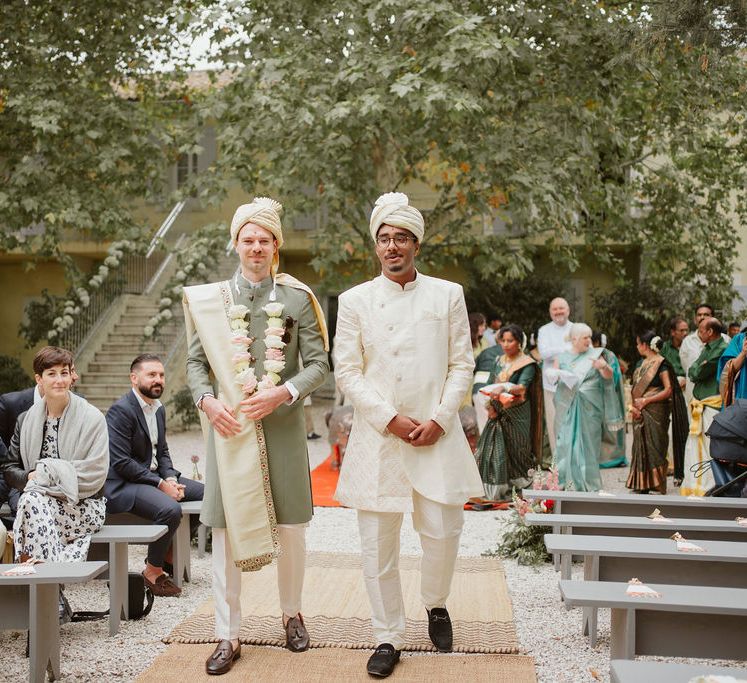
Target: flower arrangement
195, 471
521, 541
79, 297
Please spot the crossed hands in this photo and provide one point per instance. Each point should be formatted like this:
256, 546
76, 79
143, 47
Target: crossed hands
413, 432
172, 489
257, 406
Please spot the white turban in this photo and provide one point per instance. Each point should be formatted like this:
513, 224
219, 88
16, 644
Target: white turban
264, 212
393, 208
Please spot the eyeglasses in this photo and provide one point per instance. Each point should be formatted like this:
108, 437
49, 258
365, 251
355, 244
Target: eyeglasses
400, 240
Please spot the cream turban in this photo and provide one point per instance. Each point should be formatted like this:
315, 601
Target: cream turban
264, 212
393, 208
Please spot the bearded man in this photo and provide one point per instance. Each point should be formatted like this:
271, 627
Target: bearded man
250, 333
404, 360
142, 479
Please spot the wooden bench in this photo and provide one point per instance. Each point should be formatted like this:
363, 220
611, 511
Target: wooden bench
117, 538
592, 503
31, 602
638, 527
180, 543
627, 671
687, 621
610, 558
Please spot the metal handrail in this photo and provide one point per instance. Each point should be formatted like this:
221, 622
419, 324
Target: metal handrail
137, 274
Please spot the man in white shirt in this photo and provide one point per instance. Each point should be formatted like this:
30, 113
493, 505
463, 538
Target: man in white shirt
551, 342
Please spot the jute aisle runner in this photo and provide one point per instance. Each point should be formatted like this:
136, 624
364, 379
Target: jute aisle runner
182, 663
337, 615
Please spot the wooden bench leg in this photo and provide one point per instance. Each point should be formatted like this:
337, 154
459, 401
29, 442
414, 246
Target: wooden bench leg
180, 552
622, 643
589, 623
119, 604
201, 540
44, 632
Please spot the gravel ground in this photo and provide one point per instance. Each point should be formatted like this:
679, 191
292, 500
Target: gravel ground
546, 630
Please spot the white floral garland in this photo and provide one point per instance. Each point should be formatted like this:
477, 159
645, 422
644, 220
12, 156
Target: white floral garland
243, 361
80, 298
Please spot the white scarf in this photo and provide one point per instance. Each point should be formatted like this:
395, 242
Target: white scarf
83, 447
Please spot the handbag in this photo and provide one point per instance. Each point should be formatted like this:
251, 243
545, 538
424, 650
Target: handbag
139, 601
140, 596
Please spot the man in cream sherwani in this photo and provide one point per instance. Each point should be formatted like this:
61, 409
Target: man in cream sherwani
404, 360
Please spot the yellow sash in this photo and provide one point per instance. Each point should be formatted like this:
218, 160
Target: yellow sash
696, 412
241, 459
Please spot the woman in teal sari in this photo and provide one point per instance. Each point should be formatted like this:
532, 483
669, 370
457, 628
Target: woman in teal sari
511, 443
585, 403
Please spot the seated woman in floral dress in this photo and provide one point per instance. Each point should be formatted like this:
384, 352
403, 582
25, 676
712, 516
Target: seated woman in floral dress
511, 442
59, 458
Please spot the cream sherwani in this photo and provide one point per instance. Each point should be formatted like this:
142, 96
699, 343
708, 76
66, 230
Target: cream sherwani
405, 351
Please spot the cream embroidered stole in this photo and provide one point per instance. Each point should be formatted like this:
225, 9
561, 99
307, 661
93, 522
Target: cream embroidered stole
241, 459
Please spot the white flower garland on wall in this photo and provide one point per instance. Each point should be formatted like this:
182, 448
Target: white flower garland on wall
80, 297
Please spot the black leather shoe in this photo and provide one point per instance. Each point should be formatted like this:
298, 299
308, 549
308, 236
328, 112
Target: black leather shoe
439, 629
222, 659
381, 663
296, 635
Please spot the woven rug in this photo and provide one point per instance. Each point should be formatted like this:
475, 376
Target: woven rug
187, 663
337, 614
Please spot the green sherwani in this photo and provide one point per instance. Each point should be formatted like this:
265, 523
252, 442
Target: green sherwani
704, 370
284, 428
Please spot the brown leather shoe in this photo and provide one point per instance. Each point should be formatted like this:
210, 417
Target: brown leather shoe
296, 635
222, 659
163, 586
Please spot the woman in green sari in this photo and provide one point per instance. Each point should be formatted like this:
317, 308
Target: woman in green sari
586, 404
511, 443
656, 393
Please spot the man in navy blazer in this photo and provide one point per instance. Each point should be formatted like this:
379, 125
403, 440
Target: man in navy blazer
142, 479
12, 405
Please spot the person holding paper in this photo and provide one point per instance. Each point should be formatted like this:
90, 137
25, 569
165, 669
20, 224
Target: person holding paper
511, 442
585, 401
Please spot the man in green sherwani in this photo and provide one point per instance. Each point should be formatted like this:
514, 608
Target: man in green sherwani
249, 332
704, 370
705, 404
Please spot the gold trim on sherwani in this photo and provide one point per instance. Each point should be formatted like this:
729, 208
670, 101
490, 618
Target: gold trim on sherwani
241, 460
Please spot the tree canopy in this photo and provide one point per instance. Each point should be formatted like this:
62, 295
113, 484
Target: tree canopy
556, 119
87, 122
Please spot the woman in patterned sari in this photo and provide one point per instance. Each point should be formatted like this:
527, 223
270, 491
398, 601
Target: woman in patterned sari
511, 442
586, 403
656, 393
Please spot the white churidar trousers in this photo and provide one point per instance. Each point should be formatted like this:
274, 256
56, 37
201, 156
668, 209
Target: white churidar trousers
227, 578
439, 527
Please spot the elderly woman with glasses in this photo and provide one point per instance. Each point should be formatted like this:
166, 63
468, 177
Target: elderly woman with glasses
585, 403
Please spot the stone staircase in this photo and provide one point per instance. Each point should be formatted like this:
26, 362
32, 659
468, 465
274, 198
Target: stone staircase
107, 375
104, 367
